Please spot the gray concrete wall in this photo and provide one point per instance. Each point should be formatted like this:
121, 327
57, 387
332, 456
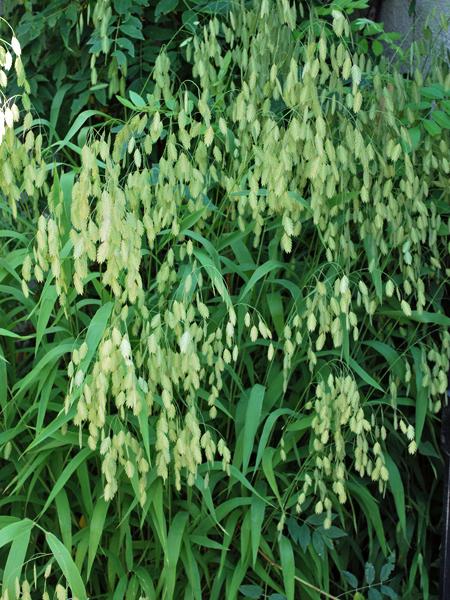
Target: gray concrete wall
394, 14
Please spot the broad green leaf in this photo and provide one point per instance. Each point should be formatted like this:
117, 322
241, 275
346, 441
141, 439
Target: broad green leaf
371, 248
415, 135
156, 495
144, 427
388, 592
434, 92
15, 561
318, 543
334, 533
257, 510
364, 375
260, 272
73, 465
377, 48
96, 527
304, 537
57, 103
64, 518
356, 367
50, 375
421, 395
122, 100
224, 66
267, 429
386, 570
67, 566
206, 542
432, 127
95, 333
13, 530
174, 540
396, 486
215, 276
251, 591
392, 357
420, 317
276, 307
119, 592
13, 334
441, 118
351, 579
47, 302
54, 426
78, 123
53, 355
3, 384
370, 508
269, 473
165, 6
369, 573
287, 566
252, 420
146, 582
136, 99
230, 525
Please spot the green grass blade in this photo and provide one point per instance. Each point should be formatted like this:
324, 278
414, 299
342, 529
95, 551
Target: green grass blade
421, 395
288, 567
64, 518
96, 527
251, 424
67, 566
396, 486
73, 465
174, 540
47, 302
15, 561
10, 532
257, 511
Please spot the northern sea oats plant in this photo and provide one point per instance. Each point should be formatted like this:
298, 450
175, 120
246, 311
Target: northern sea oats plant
235, 302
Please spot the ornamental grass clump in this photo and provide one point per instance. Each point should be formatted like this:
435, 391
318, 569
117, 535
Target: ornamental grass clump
250, 269
243, 161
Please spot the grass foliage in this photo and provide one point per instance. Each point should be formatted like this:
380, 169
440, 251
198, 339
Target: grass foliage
223, 341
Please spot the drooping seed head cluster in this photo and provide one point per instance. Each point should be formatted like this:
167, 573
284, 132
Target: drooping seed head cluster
301, 141
9, 57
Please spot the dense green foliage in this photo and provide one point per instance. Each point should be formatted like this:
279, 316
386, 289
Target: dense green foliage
110, 47
223, 342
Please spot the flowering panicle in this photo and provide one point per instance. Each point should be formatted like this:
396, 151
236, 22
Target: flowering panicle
285, 154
